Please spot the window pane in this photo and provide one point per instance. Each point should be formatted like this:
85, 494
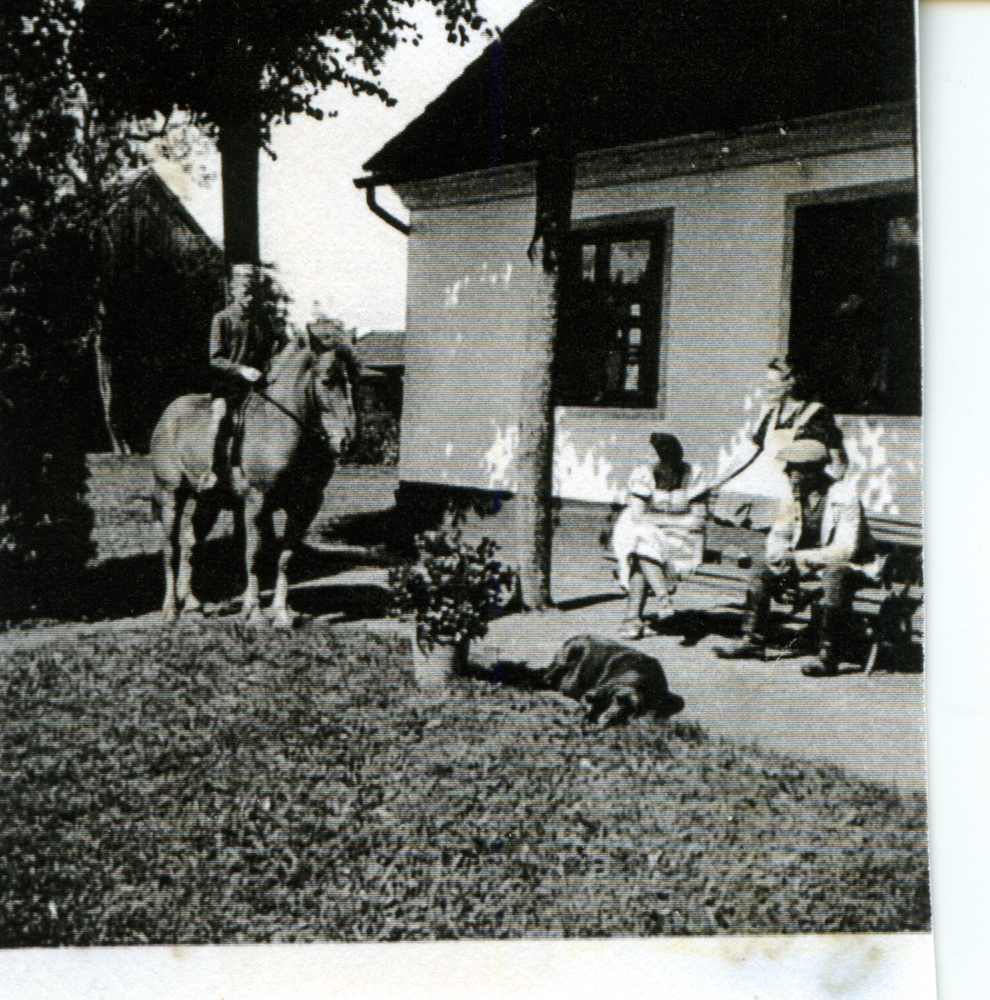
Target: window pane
588, 261
608, 343
856, 304
628, 261
613, 370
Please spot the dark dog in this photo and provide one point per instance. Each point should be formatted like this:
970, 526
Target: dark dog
613, 682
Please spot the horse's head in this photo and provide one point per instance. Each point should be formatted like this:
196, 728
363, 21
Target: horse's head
335, 377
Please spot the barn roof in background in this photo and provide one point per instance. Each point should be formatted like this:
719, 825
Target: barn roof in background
381, 349
632, 71
148, 181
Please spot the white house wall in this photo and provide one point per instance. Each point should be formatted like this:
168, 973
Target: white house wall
474, 299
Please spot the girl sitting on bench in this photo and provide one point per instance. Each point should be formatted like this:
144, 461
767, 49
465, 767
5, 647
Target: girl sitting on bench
659, 537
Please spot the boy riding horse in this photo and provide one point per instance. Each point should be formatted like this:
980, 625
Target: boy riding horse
242, 341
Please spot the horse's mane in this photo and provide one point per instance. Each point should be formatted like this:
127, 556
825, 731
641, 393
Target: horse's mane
292, 359
297, 355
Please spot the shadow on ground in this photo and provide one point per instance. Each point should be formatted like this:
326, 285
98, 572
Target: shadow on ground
135, 585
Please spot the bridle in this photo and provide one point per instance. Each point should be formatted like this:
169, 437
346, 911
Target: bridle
318, 431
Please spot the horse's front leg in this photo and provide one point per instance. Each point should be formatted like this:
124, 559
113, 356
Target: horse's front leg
186, 543
170, 513
297, 522
254, 513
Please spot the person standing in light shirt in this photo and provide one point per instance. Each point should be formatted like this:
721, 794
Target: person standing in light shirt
790, 417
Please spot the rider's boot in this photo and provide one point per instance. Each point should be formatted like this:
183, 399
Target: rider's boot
238, 481
218, 410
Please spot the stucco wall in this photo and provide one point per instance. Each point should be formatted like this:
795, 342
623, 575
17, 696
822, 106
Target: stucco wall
474, 300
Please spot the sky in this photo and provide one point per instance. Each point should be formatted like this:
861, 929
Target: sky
334, 257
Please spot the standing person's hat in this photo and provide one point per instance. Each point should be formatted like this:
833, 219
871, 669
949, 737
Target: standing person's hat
804, 452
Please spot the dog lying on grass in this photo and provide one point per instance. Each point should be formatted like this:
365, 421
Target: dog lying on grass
611, 681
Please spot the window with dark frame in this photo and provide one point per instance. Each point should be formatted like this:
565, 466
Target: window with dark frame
608, 341
855, 333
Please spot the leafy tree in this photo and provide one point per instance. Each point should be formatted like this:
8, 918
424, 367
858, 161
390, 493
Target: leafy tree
162, 286
239, 66
44, 524
67, 209
71, 160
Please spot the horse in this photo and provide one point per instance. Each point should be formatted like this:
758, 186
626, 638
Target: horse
291, 443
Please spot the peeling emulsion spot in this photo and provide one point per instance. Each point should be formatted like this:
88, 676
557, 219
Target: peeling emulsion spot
497, 461
870, 474
452, 293
577, 478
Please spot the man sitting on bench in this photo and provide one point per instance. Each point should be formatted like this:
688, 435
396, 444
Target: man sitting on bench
817, 536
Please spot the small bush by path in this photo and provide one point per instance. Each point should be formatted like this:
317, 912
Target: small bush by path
214, 784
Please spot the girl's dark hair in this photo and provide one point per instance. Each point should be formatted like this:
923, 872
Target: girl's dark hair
668, 449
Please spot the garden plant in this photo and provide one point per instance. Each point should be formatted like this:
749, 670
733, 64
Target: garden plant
453, 590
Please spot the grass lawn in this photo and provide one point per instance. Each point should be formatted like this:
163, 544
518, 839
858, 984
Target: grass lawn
216, 784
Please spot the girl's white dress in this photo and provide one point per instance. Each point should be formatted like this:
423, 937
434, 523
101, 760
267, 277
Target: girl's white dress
659, 525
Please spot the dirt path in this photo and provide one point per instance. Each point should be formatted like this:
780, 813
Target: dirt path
872, 726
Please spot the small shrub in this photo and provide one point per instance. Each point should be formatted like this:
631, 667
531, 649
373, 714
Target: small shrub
453, 590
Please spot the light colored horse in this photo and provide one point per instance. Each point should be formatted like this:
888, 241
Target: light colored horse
291, 445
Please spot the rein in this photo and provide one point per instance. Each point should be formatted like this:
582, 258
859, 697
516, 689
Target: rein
318, 431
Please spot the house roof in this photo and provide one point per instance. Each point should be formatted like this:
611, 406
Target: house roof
630, 71
381, 349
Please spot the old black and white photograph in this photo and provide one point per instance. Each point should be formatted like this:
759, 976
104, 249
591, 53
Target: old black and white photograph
461, 480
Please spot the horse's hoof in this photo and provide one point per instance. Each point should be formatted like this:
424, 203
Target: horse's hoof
284, 622
169, 616
193, 608
255, 617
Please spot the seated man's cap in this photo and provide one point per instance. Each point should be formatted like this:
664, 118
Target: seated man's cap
804, 452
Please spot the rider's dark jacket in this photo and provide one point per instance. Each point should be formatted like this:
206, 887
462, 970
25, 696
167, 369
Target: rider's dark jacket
237, 338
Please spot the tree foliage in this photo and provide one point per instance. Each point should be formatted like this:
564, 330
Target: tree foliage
43, 521
164, 284
203, 56
239, 66
62, 160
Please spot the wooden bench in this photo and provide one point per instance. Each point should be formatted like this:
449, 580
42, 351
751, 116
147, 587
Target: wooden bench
892, 609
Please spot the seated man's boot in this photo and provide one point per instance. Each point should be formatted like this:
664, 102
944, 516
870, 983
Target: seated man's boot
753, 645
826, 664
